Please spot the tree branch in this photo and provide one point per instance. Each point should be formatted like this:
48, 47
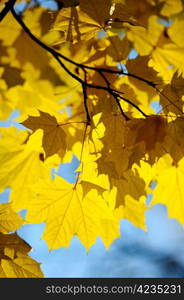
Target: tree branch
85, 96
115, 95
58, 56
132, 104
54, 53
6, 9
83, 66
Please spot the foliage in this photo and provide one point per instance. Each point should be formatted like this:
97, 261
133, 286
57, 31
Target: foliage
84, 79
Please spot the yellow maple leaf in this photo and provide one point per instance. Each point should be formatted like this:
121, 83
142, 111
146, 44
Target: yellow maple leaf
133, 12
23, 58
99, 12
167, 59
169, 189
148, 76
6, 104
135, 213
9, 30
67, 211
147, 137
151, 130
146, 39
129, 187
171, 7
21, 166
14, 261
85, 21
110, 229
118, 145
128, 197
133, 90
9, 220
39, 95
88, 168
147, 173
75, 25
54, 137
118, 50
89, 171
22, 266
172, 95
174, 140
12, 138
176, 31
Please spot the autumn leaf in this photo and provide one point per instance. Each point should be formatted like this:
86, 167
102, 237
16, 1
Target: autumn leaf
75, 25
85, 21
152, 132
171, 7
14, 261
171, 195
21, 166
54, 137
67, 211
100, 82
9, 30
171, 97
9, 220
145, 39
176, 30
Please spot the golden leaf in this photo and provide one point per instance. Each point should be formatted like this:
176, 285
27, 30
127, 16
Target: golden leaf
171, 194
67, 211
9, 220
14, 261
54, 137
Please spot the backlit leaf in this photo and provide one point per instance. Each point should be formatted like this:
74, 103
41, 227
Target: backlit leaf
14, 261
67, 211
54, 137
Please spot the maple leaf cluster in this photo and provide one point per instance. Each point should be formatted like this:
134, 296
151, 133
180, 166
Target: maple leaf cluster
85, 79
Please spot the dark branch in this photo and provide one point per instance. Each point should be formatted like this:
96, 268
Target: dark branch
6, 9
114, 94
58, 56
132, 104
54, 53
82, 66
120, 108
42, 45
85, 96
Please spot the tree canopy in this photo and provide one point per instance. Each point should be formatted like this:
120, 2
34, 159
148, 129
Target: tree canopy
102, 81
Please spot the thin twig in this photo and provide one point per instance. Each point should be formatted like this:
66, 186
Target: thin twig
115, 95
82, 66
132, 104
6, 9
57, 56
85, 97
